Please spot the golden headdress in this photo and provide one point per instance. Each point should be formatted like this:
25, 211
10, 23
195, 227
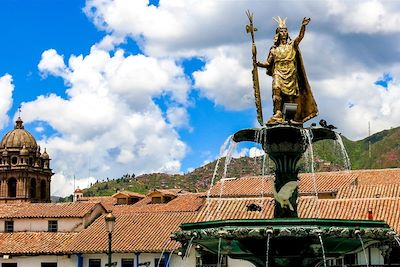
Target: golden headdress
281, 23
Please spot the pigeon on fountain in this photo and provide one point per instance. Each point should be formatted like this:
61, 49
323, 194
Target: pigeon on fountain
324, 124
285, 194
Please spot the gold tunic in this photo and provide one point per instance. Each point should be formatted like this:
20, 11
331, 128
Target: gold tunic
284, 73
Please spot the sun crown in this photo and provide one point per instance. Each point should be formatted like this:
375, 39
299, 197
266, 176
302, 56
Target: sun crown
281, 23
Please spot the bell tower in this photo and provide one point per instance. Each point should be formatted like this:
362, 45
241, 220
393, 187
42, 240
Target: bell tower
25, 172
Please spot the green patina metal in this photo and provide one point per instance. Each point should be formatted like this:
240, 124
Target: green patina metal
293, 242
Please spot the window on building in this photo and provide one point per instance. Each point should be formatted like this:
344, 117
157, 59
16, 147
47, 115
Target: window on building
167, 199
8, 265
12, 187
32, 188
133, 200
127, 263
49, 264
156, 200
9, 226
350, 259
163, 262
14, 160
121, 201
53, 226
209, 259
94, 263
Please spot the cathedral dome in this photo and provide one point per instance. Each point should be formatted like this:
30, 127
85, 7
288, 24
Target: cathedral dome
18, 137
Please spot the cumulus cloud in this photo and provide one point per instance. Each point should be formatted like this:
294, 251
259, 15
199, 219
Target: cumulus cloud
109, 124
371, 16
6, 90
63, 184
52, 63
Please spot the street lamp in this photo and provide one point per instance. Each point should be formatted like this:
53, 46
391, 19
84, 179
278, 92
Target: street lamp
110, 221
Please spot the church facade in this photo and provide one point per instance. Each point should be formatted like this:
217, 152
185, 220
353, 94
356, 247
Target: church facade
25, 173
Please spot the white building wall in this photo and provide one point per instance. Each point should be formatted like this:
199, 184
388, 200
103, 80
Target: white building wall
35, 261
239, 263
373, 254
175, 261
41, 225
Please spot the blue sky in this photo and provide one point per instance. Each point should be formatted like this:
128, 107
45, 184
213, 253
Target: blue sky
115, 87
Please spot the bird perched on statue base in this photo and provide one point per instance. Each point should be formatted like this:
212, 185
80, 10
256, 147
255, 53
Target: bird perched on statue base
324, 124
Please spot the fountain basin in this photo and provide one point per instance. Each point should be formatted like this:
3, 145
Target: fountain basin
292, 242
282, 133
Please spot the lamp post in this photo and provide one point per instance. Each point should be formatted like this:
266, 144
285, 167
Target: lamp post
110, 221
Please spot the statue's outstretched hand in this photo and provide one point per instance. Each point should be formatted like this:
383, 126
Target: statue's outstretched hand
305, 21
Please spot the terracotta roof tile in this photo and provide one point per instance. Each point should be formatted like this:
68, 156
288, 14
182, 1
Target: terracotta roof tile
167, 192
323, 182
128, 194
107, 201
183, 202
386, 209
235, 208
370, 191
47, 210
35, 243
138, 232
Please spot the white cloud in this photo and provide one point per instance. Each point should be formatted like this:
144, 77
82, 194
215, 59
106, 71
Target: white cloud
178, 116
226, 82
52, 63
6, 90
371, 16
108, 124
63, 184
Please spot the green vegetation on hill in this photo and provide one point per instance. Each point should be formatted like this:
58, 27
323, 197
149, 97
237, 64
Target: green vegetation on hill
385, 153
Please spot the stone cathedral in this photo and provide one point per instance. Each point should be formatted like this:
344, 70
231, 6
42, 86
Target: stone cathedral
25, 172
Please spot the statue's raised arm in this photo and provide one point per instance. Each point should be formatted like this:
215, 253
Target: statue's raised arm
302, 31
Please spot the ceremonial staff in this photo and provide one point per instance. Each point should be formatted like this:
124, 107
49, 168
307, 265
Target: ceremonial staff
256, 84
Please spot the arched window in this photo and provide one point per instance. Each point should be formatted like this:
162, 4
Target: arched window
43, 190
32, 188
12, 187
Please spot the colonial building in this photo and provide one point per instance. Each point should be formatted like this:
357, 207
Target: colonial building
25, 172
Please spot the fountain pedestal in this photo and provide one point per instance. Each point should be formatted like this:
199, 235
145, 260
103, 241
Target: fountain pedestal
285, 145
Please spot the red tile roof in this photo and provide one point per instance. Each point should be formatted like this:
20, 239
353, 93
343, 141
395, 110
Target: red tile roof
235, 208
167, 192
323, 182
386, 209
107, 201
183, 202
32, 243
137, 232
128, 194
47, 210
370, 191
